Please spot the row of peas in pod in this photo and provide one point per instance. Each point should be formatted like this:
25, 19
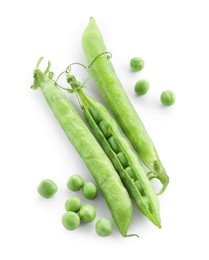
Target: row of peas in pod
141, 87
75, 210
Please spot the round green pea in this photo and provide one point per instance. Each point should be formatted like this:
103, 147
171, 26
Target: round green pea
90, 190
75, 182
104, 227
47, 188
167, 98
70, 220
136, 64
73, 204
141, 87
87, 213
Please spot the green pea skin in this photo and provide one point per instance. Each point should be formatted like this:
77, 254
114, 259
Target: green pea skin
90, 190
70, 220
87, 213
136, 64
73, 204
104, 227
141, 87
167, 98
47, 188
75, 182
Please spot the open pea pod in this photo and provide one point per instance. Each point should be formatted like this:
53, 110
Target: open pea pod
120, 153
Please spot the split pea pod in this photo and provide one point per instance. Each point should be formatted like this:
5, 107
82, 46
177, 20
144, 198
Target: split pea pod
90, 151
120, 153
112, 91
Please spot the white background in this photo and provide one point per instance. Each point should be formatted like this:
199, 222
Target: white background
172, 38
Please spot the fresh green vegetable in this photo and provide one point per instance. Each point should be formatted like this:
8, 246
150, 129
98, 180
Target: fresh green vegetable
90, 151
167, 98
87, 213
136, 64
89, 190
75, 182
70, 220
73, 204
120, 153
47, 188
111, 89
141, 87
104, 227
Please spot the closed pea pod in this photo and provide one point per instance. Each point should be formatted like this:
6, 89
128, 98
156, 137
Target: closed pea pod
112, 91
90, 151
121, 155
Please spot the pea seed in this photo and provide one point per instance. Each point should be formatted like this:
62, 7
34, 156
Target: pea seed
89, 190
122, 158
131, 173
167, 98
87, 213
139, 186
75, 182
95, 115
47, 188
141, 87
114, 144
73, 204
145, 199
70, 220
136, 64
104, 227
105, 129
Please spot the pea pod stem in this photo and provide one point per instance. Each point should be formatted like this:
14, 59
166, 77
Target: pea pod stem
112, 91
89, 150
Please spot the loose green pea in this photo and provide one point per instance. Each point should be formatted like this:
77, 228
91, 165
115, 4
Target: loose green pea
75, 182
104, 227
167, 98
47, 188
70, 220
136, 64
87, 213
89, 190
141, 87
73, 204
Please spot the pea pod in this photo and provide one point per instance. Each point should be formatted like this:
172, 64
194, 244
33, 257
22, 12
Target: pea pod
120, 153
112, 91
90, 151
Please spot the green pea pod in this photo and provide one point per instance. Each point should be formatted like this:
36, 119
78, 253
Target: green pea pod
112, 91
120, 153
90, 151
